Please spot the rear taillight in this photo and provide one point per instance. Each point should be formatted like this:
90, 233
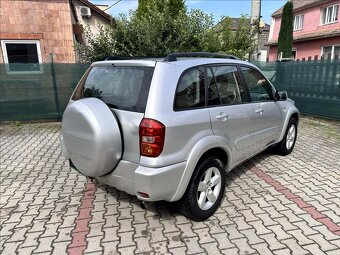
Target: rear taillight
151, 136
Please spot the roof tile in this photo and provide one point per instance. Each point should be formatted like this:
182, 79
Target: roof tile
299, 5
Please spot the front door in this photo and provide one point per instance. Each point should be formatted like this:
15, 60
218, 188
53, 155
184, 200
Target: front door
268, 116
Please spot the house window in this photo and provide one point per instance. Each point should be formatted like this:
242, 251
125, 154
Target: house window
330, 14
293, 56
294, 53
298, 22
22, 55
331, 52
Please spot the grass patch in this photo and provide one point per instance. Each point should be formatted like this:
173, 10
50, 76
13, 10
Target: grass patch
330, 127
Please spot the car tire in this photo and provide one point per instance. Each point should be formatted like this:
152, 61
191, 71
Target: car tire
205, 190
287, 144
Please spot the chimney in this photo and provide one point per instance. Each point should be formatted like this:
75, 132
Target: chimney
255, 19
255, 9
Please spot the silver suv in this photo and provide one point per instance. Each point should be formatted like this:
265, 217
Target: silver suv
170, 129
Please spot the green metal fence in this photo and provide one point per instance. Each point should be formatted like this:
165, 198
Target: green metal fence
313, 85
37, 91
33, 91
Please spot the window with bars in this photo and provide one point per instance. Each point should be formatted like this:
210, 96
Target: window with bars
330, 14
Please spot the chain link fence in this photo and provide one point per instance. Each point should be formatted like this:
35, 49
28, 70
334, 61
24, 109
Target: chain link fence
33, 91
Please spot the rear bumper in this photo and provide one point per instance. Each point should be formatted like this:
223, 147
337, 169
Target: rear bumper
159, 183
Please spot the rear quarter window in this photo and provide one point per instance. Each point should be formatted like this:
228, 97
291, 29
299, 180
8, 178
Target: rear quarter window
120, 87
190, 91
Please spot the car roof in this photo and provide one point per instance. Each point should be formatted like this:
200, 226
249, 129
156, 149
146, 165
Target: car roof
180, 62
189, 62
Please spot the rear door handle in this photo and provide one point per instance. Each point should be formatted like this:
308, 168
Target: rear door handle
259, 110
222, 116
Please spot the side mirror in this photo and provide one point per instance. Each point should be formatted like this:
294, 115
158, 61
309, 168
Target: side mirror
281, 95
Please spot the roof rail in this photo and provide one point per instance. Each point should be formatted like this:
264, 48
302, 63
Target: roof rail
132, 57
118, 58
173, 56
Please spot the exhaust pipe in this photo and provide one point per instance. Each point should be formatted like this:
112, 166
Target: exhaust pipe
145, 204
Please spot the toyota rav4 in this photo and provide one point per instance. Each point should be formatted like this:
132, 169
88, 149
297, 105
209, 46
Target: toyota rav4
170, 129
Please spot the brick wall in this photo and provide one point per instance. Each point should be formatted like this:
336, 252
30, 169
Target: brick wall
263, 39
48, 21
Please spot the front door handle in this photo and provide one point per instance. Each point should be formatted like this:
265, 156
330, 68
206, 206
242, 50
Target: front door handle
222, 116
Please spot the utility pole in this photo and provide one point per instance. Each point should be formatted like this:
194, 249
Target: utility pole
255, 19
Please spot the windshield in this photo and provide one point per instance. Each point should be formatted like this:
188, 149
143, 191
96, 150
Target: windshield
120, 87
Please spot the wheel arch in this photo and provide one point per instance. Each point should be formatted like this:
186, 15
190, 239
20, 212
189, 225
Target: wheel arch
296, 116
213, 146
215, 152
293, 113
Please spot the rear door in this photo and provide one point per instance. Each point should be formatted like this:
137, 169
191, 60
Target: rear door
268, 116
231, 116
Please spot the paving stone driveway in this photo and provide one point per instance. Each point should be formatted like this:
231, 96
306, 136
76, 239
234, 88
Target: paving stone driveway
272, 204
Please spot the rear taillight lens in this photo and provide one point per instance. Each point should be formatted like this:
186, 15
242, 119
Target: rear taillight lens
151, 136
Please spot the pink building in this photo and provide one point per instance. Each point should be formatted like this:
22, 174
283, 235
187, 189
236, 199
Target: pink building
316, 30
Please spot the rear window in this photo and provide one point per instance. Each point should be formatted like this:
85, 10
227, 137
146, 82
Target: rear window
120, 87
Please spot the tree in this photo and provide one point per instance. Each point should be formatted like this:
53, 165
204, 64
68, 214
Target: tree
176, 6
243, 40
155, 34
172, 6
222, 38
142, 7
98, 47
285, 42
158, 31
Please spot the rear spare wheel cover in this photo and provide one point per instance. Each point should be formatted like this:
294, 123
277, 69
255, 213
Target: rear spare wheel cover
92, 137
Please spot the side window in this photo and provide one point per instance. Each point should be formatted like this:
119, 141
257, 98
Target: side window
190, 92
259, 88
225, 81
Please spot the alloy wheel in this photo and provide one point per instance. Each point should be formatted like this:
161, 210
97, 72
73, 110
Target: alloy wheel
290, 137
209, 188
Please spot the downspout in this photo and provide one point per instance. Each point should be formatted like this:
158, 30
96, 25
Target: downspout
74, 11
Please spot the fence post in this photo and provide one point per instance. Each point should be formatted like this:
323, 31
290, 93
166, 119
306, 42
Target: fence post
55, 90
